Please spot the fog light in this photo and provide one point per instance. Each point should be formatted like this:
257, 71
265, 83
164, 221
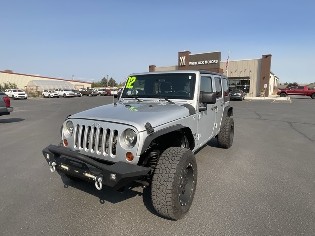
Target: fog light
129, 156
65, 142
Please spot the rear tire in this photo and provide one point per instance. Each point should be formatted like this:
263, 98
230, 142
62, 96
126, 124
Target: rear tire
174, 183
226, 134
283, 94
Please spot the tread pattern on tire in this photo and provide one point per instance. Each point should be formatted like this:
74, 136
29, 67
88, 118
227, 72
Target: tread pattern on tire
164, 192
224, 138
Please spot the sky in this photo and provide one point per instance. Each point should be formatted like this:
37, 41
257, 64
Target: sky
90, 39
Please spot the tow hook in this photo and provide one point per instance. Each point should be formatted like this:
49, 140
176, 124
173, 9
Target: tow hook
52, 167
98, 183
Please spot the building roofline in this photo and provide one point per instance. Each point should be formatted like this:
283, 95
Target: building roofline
203, 53
46, 77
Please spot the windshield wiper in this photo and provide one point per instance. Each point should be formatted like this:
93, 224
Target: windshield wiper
166, 99
135, 97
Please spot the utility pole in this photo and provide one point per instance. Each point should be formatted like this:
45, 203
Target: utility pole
106, 80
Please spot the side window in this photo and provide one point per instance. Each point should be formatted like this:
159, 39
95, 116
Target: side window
206, 84
217, 84
225, 87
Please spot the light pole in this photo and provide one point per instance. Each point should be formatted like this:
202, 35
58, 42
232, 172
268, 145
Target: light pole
106, 80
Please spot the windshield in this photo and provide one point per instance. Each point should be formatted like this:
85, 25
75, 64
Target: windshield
168, 85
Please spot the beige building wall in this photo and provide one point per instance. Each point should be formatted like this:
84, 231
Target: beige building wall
273, 84
245, 68
21, 80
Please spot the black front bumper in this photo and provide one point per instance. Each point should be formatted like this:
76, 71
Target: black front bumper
73, 163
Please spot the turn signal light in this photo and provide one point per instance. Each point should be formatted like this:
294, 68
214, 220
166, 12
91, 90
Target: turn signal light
65, 142
129, 156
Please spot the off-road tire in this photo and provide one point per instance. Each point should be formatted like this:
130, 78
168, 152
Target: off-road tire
226, 134
174, 183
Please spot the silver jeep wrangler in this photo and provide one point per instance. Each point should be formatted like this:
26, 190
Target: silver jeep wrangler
149, 136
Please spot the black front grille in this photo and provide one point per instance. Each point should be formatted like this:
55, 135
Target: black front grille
93, 139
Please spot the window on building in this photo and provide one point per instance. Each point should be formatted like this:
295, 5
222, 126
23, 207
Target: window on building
242, 84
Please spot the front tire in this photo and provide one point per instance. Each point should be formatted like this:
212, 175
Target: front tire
226, 134
283, 94
174, 183
313, 96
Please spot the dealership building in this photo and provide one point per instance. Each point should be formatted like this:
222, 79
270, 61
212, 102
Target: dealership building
253, 76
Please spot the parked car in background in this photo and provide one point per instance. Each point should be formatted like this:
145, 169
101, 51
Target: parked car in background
237, 94
77, 93
114, 92
103, 92
50, 94
16, 93
65, 92
88, 92
5, 104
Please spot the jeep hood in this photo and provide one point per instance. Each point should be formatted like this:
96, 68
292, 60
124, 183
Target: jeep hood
135, 114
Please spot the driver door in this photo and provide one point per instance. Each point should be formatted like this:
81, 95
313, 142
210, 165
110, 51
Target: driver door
206, 118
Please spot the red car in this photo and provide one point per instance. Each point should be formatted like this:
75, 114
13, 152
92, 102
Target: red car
5, 104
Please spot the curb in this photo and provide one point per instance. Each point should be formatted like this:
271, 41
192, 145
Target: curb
269, 98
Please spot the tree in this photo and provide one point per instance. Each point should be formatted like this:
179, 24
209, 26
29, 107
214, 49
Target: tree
112, 82
104, 82
294, 84
7, 86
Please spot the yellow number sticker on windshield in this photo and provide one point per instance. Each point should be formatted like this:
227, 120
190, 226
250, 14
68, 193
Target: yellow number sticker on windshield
130, 82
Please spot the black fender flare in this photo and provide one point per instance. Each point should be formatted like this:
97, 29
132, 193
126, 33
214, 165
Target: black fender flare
159, 133
228, 111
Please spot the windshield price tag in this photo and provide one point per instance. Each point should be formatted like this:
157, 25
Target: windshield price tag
131, 81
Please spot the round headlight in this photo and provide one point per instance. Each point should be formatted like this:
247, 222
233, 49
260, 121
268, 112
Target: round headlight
130, 137
68, 129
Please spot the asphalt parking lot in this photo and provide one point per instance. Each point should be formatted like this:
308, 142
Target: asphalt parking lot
263, 185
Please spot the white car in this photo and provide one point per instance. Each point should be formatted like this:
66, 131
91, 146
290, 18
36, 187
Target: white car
50, 94
65, 93
114, 92
16, 93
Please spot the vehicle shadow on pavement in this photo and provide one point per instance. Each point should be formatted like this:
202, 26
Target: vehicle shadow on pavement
213, 143
11, 120
107, 194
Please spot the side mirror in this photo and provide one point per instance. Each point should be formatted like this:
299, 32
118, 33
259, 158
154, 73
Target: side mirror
207, 97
